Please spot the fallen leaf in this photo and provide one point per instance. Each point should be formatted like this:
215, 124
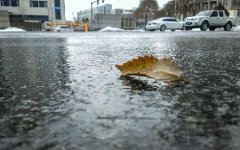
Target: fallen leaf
163, 69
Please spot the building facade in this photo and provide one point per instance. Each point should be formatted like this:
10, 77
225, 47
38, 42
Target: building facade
86, 14
35, 10
122, 21
4, 19
104, 16
233, 6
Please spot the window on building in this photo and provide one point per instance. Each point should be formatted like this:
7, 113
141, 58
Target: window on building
42, 3
1, 3
6, 3
10, 3
130, 22
225, 3
34, 3
57, 3
14, 3
126, 22
58, 14
122, 23
234, 3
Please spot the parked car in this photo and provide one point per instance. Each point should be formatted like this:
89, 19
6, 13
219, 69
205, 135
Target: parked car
165, 23
211, 19
62, 28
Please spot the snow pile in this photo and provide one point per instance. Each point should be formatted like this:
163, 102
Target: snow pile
237, 28
111, 29
220, 29
137, 30
196, 29
12, 29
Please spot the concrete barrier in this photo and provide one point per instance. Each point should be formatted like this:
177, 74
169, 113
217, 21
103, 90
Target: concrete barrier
4, 19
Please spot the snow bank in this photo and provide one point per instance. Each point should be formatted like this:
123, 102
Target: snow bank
220, 29
111, 29
137, 30
12, 29
196, 29
237, 28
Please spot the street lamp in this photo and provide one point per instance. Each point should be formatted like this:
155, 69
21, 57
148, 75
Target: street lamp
97, 1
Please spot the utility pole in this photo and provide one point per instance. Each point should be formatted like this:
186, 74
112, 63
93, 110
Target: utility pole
97, 1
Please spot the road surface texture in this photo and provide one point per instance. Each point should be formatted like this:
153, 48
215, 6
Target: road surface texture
63, 92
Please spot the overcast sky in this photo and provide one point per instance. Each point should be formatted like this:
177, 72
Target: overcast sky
73, 6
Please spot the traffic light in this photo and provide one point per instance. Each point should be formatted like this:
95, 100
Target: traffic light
97, 1
103, 1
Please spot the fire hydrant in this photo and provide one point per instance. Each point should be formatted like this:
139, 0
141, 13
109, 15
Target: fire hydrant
86, 26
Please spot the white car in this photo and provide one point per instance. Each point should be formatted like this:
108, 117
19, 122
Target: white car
165, 23
62, 28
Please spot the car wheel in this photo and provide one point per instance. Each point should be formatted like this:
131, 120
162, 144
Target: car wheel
204, 26
163, 28
228, 26
212, 28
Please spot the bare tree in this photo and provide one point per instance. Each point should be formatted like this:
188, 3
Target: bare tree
184, 7
171, 8
221, 7
22, 10
145, 9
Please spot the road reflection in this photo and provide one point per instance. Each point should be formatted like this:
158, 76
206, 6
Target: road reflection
34, 84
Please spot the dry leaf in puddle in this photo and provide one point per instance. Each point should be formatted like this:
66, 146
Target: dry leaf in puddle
163, 69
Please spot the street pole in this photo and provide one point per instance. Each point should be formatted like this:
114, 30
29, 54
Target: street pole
92, 13
97, 1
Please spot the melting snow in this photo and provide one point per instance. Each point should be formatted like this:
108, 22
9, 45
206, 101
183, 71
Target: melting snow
111, 29
237, 28
12, 29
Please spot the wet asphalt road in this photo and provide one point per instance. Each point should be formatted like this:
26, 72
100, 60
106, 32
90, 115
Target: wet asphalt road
62, 91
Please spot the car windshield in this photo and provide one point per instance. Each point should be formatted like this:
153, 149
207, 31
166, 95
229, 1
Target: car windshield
204, 13
162, 19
